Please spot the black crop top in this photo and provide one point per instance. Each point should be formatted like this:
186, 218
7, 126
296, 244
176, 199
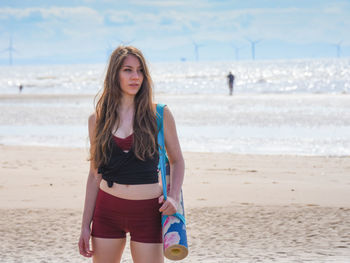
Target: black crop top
126, 168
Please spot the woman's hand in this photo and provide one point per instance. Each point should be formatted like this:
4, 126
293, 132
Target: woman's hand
169, 207
84, 244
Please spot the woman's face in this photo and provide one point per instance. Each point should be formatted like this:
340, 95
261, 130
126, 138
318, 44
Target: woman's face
131, 75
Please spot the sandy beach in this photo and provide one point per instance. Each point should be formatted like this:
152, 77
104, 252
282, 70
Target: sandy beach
239, 208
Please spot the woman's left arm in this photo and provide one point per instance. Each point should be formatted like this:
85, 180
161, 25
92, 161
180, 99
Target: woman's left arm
177, 164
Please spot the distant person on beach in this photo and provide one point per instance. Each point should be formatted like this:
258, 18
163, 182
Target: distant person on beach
231, 80
20, 88
123, 194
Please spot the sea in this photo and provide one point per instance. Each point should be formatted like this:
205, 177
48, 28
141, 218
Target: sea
289, 107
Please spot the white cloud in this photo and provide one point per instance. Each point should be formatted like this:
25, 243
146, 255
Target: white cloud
288, 24
74, 14
172, 3
175, 23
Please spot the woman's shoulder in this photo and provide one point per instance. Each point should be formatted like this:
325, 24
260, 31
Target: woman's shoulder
92, 124
92, 116
155, 106
92, 119
166, 111
167, 115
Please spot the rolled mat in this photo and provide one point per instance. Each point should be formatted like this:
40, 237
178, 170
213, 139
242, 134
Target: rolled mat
174, 226
174, 233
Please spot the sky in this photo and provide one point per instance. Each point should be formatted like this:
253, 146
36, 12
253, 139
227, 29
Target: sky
86, 31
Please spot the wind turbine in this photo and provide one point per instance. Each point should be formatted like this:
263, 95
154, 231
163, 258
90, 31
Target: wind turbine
196, 49
110, 49
237, 49
253, 43
338, 46
10, 49
125, 43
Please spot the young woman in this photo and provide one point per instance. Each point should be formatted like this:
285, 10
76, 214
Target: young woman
123, 194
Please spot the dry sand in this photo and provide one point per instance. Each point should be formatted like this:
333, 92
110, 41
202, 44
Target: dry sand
239, 208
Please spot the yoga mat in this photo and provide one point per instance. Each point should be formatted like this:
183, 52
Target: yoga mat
174, 232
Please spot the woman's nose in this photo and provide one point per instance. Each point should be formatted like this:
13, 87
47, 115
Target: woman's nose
135, 75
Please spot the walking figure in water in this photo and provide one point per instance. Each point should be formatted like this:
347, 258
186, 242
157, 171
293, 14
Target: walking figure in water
231, 79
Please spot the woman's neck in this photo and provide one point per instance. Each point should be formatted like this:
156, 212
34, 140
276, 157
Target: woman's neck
127, 103
126, 116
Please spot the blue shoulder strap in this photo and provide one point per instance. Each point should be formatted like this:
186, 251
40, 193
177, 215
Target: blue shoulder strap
162, 152
160, 114
160, 110
163, 158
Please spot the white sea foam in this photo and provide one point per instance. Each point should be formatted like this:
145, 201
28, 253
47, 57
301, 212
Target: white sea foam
280, 76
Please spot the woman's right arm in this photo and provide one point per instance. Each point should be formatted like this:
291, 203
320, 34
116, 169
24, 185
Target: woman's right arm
92, 187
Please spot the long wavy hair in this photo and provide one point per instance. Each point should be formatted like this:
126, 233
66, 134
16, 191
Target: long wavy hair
107, 118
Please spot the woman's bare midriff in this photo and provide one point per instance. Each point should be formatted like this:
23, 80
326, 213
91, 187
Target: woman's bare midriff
132, 192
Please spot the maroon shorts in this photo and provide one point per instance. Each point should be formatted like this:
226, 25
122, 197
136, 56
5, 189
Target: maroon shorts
114, 217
